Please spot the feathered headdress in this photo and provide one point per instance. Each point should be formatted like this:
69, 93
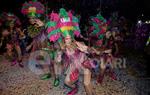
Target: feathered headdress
33, 8
62, 25
98, 29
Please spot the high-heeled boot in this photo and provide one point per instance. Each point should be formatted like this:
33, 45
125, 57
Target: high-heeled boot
112, 75
73, 91
14, 62
100, 78
20, 63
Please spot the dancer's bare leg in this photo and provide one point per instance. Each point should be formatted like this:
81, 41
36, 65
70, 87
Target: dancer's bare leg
87, 82
18, 49
102, 71
57, 69
102, 66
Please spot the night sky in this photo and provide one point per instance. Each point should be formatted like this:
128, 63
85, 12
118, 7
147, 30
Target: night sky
129, 8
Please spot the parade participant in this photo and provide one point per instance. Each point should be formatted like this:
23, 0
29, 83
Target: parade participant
62, 28
103, 42
13, 43
118, 40
36, 30
5, 37
58, 66
22, 39
106, 58
55, 54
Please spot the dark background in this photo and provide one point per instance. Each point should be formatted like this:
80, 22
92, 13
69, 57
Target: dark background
131, 9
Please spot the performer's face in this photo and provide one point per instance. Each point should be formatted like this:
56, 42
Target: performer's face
113, 33
68, 40
32, 20
11, 25
108, 34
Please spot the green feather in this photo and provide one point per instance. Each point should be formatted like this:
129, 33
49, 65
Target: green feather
75, 19
63, 13
60, 40
101, 36
50, 24
34, 0
53, 32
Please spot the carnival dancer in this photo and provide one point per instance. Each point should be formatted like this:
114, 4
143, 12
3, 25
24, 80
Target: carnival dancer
106, 58
36, 30
22, 39
103, 43
55, 54
55, 68
62, 29
57, 65
4, 39
13, 44
118, 40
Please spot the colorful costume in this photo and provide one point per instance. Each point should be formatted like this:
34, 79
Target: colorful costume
62, 28
98, 34
34, 9
58, 25
13, 45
